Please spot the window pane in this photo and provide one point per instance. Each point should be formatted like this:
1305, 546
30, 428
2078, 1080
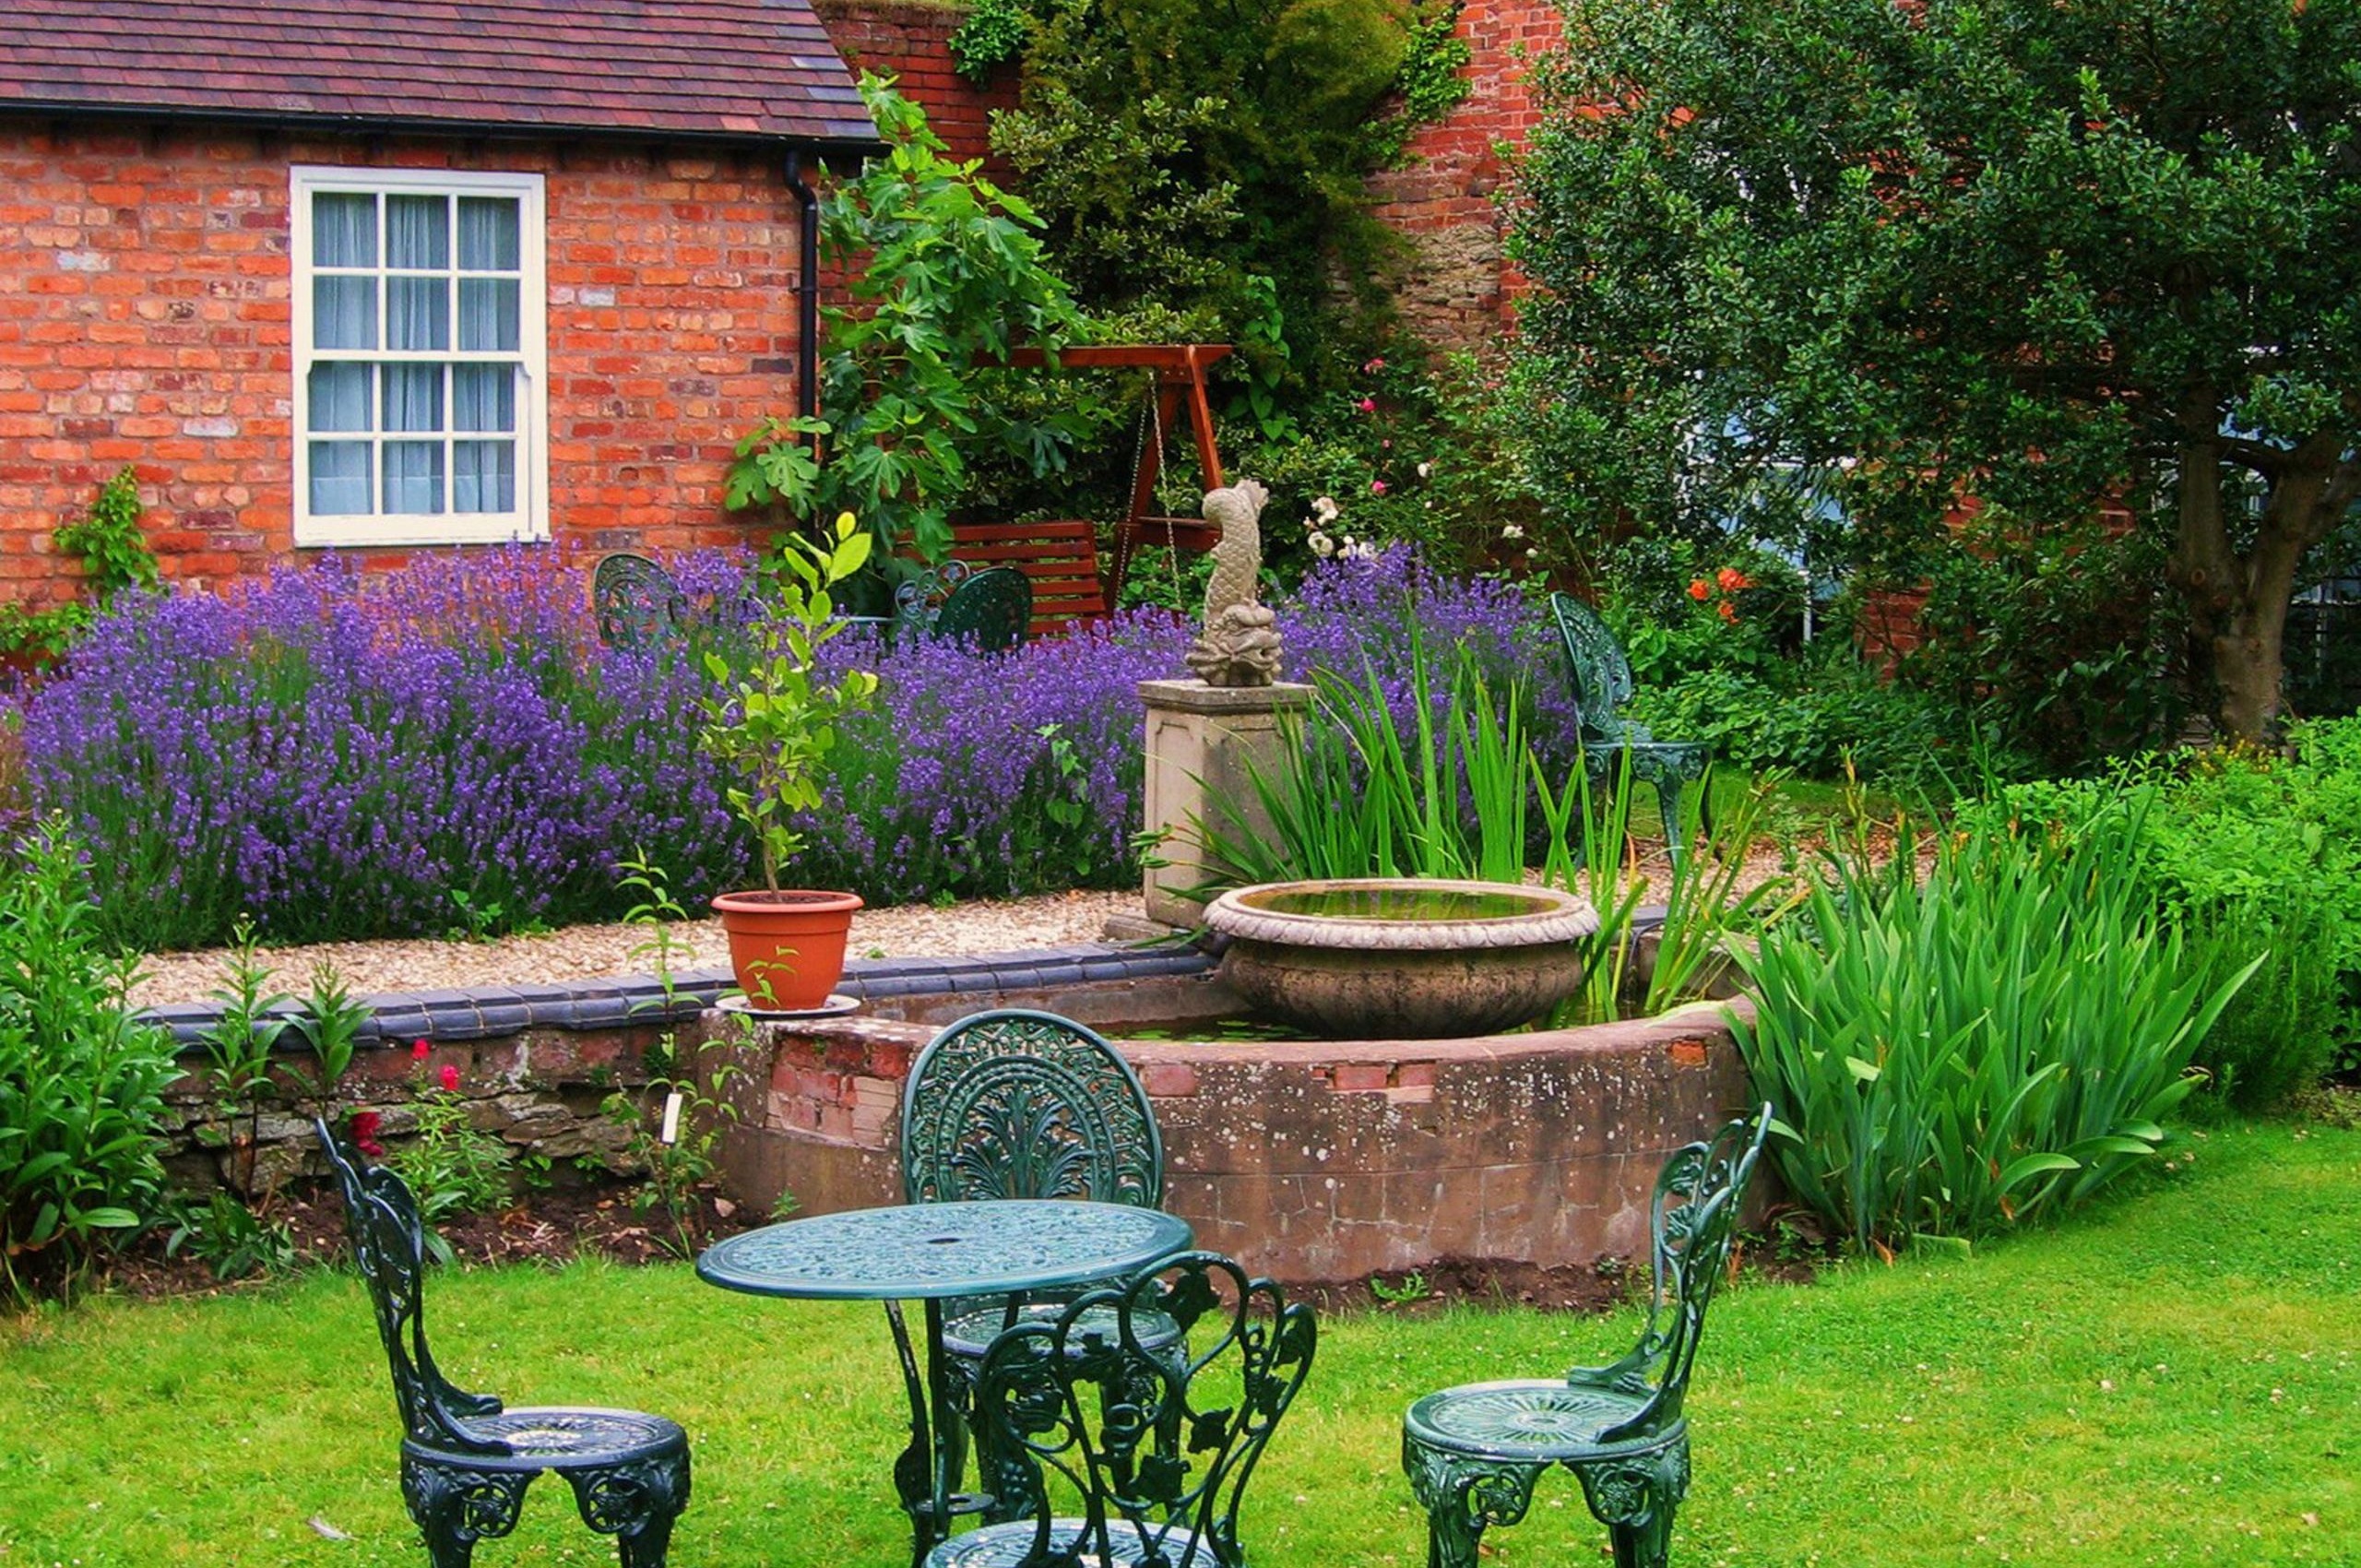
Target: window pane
483, 397
339, 397
413, 477
488, 231
413, 398
417, 231
417, 313
339, 478
488, 314
483, 476
344, 312
344, 230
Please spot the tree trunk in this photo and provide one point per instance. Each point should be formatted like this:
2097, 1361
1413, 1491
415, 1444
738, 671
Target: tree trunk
2238, 603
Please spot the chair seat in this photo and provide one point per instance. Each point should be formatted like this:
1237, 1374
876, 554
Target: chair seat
1543, 1420
563, 1438
1011, 1546
970, 1334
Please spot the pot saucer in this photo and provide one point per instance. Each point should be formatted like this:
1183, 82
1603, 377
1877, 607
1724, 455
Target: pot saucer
837, 1006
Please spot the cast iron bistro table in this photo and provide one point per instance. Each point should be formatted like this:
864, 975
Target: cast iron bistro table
932, 1253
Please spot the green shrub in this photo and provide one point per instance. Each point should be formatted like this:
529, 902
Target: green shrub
80, 1084
2252, 854
1990, 1045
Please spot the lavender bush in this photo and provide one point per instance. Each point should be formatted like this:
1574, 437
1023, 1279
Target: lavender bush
340, 753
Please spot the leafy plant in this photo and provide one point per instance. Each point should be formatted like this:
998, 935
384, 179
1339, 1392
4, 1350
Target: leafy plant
329, 1018
946, 279
248, 1020
115, 555
689, 1093
774, 723
1359, 794
227, 1236
453, 1166
81, 1083
1951, 1057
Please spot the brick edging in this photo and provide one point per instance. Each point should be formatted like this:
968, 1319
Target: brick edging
487, 1011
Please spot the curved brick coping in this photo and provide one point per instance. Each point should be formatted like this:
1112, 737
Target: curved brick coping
488, 1012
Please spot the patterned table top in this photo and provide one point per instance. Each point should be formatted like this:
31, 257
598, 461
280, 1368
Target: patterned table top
914, 1252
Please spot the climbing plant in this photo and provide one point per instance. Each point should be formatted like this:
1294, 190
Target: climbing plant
947, 275
114, 555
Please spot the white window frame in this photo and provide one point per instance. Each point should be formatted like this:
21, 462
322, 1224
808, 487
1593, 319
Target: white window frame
530, 520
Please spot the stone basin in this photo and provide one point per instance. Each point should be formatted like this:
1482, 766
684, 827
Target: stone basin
1402, 958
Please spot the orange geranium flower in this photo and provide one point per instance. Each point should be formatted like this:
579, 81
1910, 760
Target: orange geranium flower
1698, 590
1728, 611
1731, 579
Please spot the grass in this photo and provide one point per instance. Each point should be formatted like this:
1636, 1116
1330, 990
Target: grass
2173, 1378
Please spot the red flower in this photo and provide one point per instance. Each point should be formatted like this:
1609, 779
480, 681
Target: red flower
1373, 367
1728, 613
419, 1050
1377, 487
1700, 590
450, 1078
1731, 579
365, 1134
1367, 405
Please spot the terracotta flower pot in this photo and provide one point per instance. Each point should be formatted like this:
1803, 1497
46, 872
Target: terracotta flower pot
788, 947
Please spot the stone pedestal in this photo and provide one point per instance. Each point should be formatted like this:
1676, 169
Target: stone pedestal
1200, 741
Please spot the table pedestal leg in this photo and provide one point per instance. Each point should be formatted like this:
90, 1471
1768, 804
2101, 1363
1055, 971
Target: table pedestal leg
928, 1471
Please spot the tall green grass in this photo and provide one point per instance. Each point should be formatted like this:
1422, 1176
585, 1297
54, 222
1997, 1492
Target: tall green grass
1953, 1055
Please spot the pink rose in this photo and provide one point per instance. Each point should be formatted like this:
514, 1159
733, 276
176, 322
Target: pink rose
1367, 405
1373, 367
1377, 487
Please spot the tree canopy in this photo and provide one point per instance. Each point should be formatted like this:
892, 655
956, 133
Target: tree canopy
2056, 255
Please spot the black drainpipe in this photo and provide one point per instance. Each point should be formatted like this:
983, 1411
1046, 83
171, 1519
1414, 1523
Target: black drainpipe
807, 288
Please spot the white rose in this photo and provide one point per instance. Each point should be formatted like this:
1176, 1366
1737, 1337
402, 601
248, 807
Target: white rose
1322, 545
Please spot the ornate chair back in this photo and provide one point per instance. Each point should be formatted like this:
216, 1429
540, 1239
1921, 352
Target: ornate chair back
638, 604
1594, 660
1020, 1104
389, 1244
991, 610
1158, 1448
1692, 1220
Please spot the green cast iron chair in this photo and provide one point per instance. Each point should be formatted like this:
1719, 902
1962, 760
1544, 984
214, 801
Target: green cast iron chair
1472, 1452
1020, 1104
1014, 1103
638, 605
1155, 1450
1602, 680
990, 610
466, 1458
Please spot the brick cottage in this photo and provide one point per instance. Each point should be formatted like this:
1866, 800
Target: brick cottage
402, 276
416, 273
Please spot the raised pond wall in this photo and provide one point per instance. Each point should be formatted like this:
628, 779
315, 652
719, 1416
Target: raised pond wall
1309, 1161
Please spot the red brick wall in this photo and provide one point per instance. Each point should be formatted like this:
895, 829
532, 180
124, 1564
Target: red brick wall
1459, 289
912, 41
143, 318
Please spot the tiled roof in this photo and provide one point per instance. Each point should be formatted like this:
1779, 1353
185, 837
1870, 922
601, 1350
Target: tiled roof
739, 70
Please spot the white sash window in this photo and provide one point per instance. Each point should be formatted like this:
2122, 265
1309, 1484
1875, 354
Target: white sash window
420, 404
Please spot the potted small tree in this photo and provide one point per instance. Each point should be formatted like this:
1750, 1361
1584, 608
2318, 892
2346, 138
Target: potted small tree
773, 725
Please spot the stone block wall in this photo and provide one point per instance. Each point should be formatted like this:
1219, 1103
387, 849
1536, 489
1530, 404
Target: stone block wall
145, 319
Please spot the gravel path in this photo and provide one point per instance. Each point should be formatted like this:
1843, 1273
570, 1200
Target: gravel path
585, 952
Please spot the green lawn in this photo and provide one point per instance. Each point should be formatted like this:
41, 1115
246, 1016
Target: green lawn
2173, 1378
